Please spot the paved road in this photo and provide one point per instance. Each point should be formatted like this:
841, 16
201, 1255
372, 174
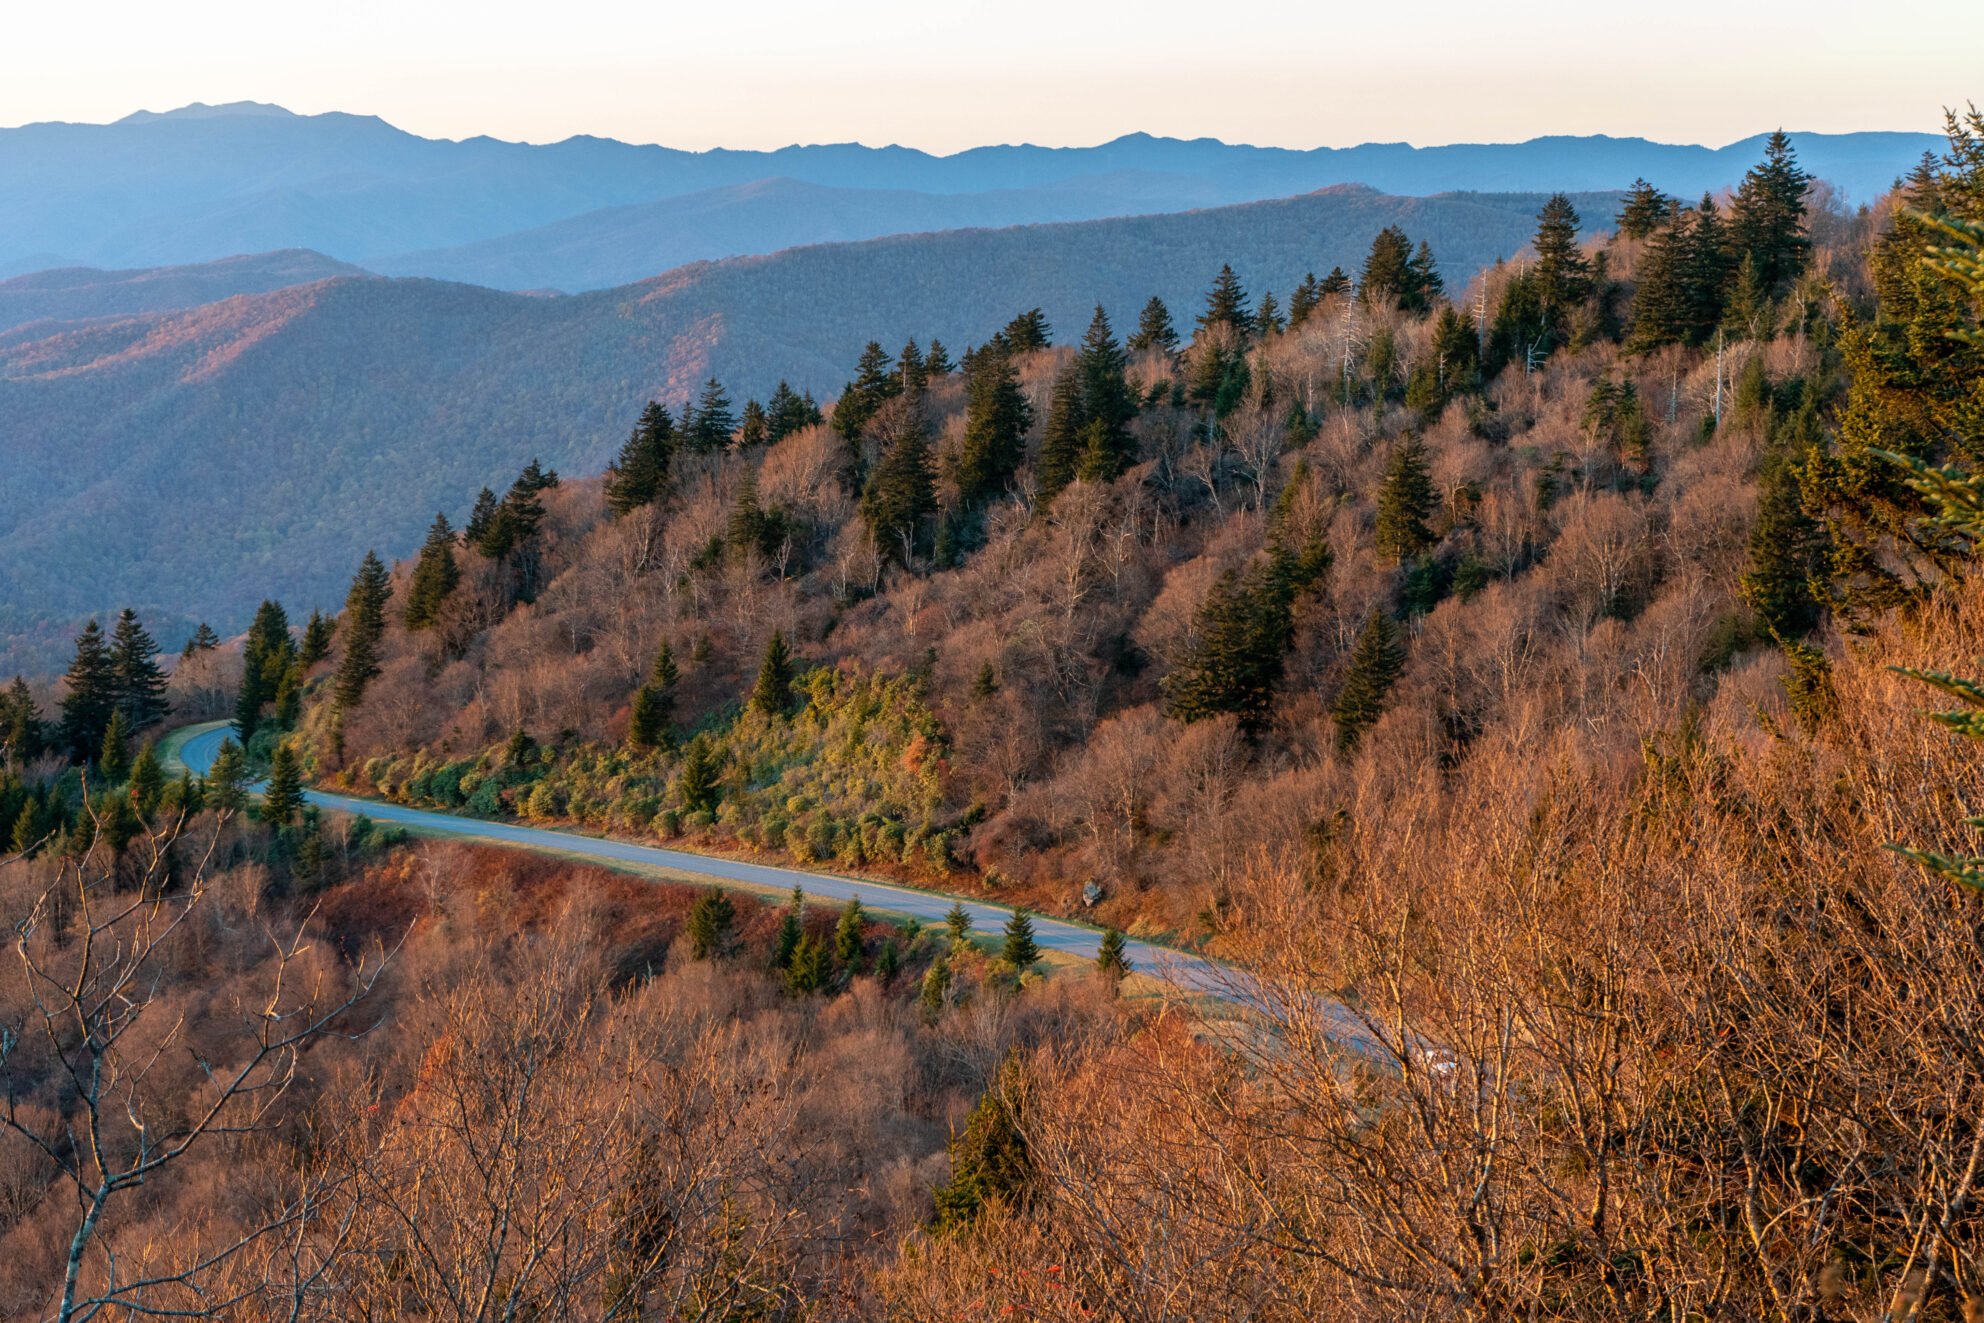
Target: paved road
1187, 972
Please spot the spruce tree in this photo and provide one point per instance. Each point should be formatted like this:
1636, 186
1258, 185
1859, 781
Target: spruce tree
791, 931
958, 925
21, 732
1020, 950
1789, 557
1767, 220
1108, 404
1267, 317
1405, 502
772, 694
645, 723
808, 970
1336, 282
113, 760
1423, 284
227, 778
316, 643
282, 798
481, 520
89, 699
888, 961
204, 640
874, 383
1155, 333
1236, 658
848, 931
1302, 304
997, 417
990, 1161
754, 426
788, 412
1375, 664
266, 656
935, 993
435, 576
711, 921
1111, 958
147, 781
1387, 279
1025, 333
1562, 271
140, 682
714, 424
1063, 438
901, 494
911, 376
1645, 210
1226, 305
696, 784
364, 627
937, 360
639, 474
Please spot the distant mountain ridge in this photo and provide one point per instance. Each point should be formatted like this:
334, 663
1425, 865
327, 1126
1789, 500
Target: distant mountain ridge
73, 293
205, 182
188, 463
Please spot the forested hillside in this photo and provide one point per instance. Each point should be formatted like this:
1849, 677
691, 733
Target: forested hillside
211, 455
77, 293
1524, 669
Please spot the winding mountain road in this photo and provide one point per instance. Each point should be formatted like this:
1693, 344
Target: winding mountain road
197, 746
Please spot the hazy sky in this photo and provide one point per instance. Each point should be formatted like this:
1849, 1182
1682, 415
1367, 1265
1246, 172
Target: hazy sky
944, 74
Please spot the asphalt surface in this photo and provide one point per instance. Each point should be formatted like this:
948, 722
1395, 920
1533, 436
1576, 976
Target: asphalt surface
1189, 973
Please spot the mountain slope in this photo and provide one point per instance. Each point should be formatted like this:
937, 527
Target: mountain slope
209, 182
73, 293
189, 463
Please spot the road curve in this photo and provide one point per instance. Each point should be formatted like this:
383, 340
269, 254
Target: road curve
1189, 973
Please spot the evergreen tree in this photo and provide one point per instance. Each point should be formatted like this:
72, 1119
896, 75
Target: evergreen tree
140, 682
282, 798
911, 375
714, 424
1646, 208
1154, 330
788, 412
990, 1164
958, 925
696, 784
639, 474
1025, 333
1111, 959
1267, 317
316, 644
1375, 664
848, 934
1226, 305
1336, 282
711, 921
1789, 557
1387, 278
1767, 221
754, 426
21, 729
266, 656
646, 724
772, 694
1020, 950
364, 627
997, 417
188, 795
901, 494
791, 931
204, 640
147, 781
937, 361
481, 518
888, 961
227, 779
1063, 438
1405, 502
1424, 284
113, 760
1302, 304
1108, 404
1563, 273
874, 383
935, 993
435, 576
1235, 659
808, 970
89, 699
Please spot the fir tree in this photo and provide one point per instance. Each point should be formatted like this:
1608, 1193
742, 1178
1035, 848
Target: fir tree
888, 961
140, 682
997, 417
639, 474
1789, 556
772, 694
89, 699
808, 970
935, 993
1424, 284
316, 643
1302, 304
1405, 502
227, 778
754, 426
1226, 305
874, 383
986, 683
1020, 950
1111, 959
1336, 282
1387, 276
282, 798
1062, 439
901, 494
848, 930
1155, 333
714, 424
696, 783
1108, 404
1025, 334
711, 921
646, 724
364, 627
1646, 208
1267, 317
1236, 658
791, 931
958, 925
990, 1163
113, 760
1563, 273
788, 412
1375, 664
481, 518
1767, 220
911, 375
204, 640
435, 576
147, 781
21, 729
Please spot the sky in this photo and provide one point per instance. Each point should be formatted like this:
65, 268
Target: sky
947, 74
